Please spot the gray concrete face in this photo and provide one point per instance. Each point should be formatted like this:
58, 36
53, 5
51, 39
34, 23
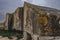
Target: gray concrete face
8, 20
32, 15
33, 12
18, 19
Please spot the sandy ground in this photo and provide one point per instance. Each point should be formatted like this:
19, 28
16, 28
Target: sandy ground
41, 38
47, 38
6, 38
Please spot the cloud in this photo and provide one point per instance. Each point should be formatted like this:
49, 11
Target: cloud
24, 0
53, 3
47, 3
8, 6
39, 2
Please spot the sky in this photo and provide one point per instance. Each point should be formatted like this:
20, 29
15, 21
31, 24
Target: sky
9, 6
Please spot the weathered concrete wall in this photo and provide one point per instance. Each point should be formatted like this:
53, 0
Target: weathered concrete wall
18, 19
8, 21
42, 21
33, 15
14, 20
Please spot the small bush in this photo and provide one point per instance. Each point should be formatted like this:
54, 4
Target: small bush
10, 34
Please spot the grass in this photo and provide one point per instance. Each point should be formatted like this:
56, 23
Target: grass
9, 34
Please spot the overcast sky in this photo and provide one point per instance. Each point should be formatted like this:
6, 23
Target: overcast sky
10, 5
